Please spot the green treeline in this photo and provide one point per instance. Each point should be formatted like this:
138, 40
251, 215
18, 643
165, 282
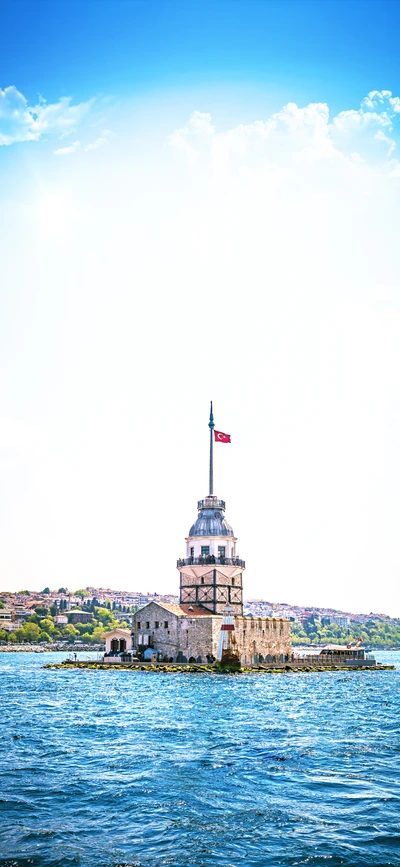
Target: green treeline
40, 626
373, 633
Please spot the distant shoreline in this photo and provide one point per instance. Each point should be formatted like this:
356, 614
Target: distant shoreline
99, 648
51, 648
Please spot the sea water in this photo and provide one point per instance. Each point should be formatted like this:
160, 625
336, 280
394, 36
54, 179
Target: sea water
107, 768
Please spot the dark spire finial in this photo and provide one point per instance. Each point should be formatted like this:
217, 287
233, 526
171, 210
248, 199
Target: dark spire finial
211, 422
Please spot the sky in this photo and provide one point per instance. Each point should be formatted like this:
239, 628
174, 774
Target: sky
201, 201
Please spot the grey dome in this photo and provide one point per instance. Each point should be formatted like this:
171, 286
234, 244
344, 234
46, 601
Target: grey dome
211, 520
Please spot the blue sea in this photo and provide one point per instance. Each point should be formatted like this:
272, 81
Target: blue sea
114, 768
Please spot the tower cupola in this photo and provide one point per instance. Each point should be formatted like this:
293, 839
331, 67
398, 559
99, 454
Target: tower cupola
211, 520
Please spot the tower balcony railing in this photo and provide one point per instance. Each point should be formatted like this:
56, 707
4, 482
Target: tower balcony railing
211, 560
211, 503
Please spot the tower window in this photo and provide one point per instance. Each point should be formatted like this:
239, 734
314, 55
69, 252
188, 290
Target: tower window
192, 552
165, 624
205, 550
233, 582
147, 624
156, 624
202, 580
138, 624
221, 550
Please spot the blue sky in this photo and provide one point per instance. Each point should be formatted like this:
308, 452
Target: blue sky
306, 51
201, 201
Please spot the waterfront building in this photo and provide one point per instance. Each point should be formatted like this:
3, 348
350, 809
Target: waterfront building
118, 641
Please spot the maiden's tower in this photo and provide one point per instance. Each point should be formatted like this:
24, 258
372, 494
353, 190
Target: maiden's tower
211, 574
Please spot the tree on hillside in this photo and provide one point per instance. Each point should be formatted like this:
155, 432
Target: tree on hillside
105, 616
85, 627
70, 632
47, 625
30, 632
96, 636
46, 590
41, 611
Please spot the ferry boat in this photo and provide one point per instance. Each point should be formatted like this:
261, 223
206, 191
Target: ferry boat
349, 654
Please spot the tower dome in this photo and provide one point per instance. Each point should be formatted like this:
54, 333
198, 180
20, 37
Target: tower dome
211, 520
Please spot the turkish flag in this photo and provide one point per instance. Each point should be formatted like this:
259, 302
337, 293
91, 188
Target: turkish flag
221, 437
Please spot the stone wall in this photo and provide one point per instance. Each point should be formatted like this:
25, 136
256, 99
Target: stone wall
262, 637
165, 636
189, 636
198, 637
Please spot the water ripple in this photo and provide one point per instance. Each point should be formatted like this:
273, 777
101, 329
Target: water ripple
118, 769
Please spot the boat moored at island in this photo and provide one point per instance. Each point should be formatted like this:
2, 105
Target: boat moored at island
349, 654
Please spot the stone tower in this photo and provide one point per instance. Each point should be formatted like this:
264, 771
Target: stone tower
211, 572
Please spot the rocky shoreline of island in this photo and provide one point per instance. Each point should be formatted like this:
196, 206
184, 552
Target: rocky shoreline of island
295, 666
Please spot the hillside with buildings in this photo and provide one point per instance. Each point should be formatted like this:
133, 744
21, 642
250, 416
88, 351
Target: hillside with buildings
82, 616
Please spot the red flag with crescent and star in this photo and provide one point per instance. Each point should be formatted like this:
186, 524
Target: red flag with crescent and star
221, 437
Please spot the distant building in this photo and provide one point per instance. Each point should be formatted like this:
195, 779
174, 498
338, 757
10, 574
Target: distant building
75, 616
341, 621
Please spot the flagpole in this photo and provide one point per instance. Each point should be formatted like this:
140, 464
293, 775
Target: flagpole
211, 475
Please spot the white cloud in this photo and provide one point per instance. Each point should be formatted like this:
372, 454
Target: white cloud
99, 142
15, 118
20, 122
381, 97
293, 133
189, 138
391, 144
103, 139
68, 150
